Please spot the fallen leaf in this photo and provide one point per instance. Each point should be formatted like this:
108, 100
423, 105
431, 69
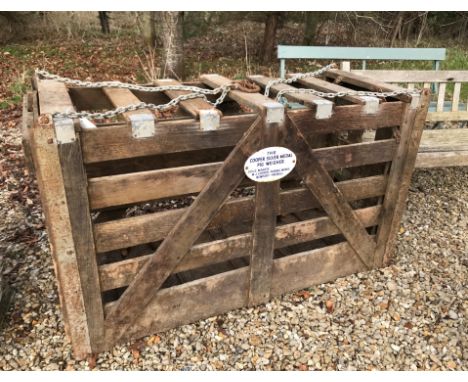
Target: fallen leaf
255, 340
330, 306
408, 325
303, 367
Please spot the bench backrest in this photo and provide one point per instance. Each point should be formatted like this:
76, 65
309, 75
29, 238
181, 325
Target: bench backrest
448, 104
358, 53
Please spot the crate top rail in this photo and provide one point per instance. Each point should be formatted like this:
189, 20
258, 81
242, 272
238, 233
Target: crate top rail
358, 53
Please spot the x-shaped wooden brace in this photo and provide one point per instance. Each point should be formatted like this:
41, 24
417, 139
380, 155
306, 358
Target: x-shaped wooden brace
187, 230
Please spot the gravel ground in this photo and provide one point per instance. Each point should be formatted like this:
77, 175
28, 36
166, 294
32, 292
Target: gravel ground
410, 316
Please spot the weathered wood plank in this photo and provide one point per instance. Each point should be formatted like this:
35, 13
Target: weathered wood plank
181, 238
74, 179
442, 159
254, 101
124, 97
442, 140
191, 106
317, 179
367, 83
213, 295
456, 96
321, 106
435, 116
441, 97
263, 228
53, 97
119, 274
328, 87
150, 185
116, 142
349, 117
154, 227
417, 76
26, 126
141, 186
54, 204
399, 178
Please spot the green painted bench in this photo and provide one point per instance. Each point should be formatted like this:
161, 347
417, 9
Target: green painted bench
364, 54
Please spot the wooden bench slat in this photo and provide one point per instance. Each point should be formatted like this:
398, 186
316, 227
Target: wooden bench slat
456, 96
441, 97
124, 97
418, 76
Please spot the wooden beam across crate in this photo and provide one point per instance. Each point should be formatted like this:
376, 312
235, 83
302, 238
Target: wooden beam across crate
182, 234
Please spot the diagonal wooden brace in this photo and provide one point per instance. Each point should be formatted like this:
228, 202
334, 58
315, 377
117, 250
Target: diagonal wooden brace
319, 182
184, 234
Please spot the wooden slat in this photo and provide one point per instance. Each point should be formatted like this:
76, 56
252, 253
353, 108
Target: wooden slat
417, 76
263, 228
143, 186
185, 232
349, 117
328, 87
456, 96
191, 106
54, 205
444, 140
75, 182
116, 142
426, 85
442, 159
399, 178
367, 83
153, 227
124, 97
411, 86
251, 100
317, 179
307, 99
441, 97
206, 297
53, 97
447, 116
119, 274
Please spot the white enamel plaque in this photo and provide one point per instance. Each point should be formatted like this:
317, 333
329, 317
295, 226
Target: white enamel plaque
270, 164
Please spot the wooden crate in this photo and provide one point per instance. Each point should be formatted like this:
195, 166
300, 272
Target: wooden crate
151, 233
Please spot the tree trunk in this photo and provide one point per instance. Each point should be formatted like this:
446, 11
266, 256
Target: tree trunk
397, 30
310, 27
172, 43
269, 39
104, 20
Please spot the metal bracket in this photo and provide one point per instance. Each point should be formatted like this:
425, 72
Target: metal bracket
64, 130
274, 112
85, 123
372, 105
324, 108
209, 119
142, 125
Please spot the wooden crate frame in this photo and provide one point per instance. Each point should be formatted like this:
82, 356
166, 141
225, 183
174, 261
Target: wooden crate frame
189, 263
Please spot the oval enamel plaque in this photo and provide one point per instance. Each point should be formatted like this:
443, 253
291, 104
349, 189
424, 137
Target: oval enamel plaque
270, 164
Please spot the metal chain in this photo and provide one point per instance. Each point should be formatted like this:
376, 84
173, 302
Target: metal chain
195, 92
297, 77
344, 94
319, 72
